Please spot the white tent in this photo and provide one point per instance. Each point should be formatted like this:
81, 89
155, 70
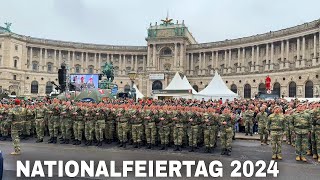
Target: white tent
176, 83
217, 89
138, 93
187, 85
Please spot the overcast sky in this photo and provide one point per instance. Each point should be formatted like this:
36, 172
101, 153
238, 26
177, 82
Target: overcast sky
125, 22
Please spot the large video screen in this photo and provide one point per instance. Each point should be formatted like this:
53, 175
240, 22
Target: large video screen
85, 81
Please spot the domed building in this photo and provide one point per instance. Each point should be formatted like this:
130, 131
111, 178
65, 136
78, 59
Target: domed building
289, 56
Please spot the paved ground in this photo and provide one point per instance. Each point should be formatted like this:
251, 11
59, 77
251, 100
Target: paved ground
242, 150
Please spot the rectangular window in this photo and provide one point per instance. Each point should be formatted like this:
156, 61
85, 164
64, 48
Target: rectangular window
16, 47
14, 77
35, 66
49, 67
15, 63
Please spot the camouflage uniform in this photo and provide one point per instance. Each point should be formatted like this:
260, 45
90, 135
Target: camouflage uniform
110, 127
137, 130
248, 121
209, 127
67, 123
40, 112
151, 129
89, 125
53, 123
316, 129
193, 130
288, 132
262, 118
27, 123
226, 133
276, 127
19, 115
78, 125
122, 119
100, 126
6, 123
164, 129
302, 126
179, 129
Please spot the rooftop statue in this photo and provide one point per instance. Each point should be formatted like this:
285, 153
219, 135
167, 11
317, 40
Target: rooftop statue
108, 72
8, 25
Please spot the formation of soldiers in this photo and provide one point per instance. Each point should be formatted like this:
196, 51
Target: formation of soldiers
177, 123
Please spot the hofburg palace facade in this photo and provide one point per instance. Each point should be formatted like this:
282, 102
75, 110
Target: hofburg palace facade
289, 56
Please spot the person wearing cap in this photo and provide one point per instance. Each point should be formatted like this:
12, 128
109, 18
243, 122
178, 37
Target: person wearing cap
178, 129
53, 123
137, 127
39, 115
100, 124
110, 120
248, 117
193, 129
226, 131
276, 126
208, 132
288, 130
262, 118
66, 123
123, 117
151, 128
89, 124
164, 129
19, 113
6, 122
78, 123
302, 127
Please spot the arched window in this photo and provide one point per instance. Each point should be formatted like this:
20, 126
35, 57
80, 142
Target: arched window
49, 87
35, 66
308, 89
90, 69
157, 85
77, 70
234, 88
15, 63
166, 51
126, 88
49, 67
34, 87
196, 88
247, 91
292, 89
277, 88
262, 87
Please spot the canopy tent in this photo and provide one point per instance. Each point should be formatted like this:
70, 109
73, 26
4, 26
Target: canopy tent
139, 95
187, 85
176, 83
216, 89
92, 94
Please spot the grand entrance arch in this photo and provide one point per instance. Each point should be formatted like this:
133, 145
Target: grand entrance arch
157, 85
308, 89
247, 91
277, 88
292, 89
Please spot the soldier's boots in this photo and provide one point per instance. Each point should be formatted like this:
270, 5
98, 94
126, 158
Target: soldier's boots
246, 134
62, 141
233, 137
308, 152
223, 151
61, 138
149, 146
99, 143
192, 149
163, 147
109, 141
274, 156
3, 138
50, 140
124, 144
66, 141
121, 144
215, 145
178, 148
303, 159
135, 145
208, 150
314, 156
77, 142
298, 158
88, 143
55, 140
279, 156
250, 134
39, 141
228, 151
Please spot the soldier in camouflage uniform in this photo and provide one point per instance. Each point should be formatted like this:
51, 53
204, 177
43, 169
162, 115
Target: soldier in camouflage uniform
179, 129
164, 129
193, 129
137, 127
27, 123
6, 121
288, 130
209, 127
302, 128
100, 125
276, 128
151, 128
89, 125
123, 117
110, 117
316, 130
78, 123
226, 131
67, 123
262, 118
53, 123
39, 115
19, 115
248, 120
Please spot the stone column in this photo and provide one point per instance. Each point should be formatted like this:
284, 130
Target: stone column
212, 62
149, 56
217, 58
239, 67
124, 64
108, 58
225, 70
181, 55
30, 59
287, 54
192, 64
298, 52
252, 59
55, 59
272, 54
187, 70
73, 59
175, 55
40, 59
136, 63
99, 61
267, 58
314, 60
303, 51
243, 59
132, 63
200, 64
60, 58
257, 60
282, 49
120, 65
154, 56
229, 63
87, 59
95, 61
144, 62
204, 67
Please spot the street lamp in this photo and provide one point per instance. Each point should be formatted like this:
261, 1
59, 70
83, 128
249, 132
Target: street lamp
132, 76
